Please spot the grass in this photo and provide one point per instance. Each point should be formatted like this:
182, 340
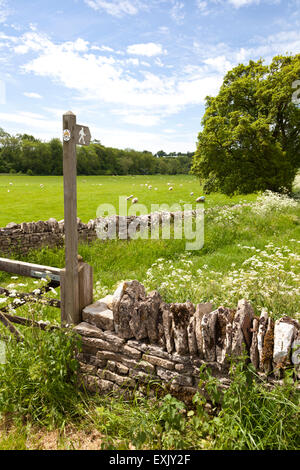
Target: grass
28, 201
247, 416
250, 252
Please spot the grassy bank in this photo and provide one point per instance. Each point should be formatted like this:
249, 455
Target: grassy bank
251, 251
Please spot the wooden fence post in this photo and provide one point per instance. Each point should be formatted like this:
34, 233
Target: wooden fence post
70, 312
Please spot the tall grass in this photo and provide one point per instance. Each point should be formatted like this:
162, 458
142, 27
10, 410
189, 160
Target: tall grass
39, 378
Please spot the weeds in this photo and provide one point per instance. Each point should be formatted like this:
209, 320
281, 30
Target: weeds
253, 415
39, 379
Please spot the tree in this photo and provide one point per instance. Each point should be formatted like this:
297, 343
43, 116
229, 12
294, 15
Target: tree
251, 130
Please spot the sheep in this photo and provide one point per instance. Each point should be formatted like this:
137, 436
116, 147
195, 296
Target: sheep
170, 188
135, 200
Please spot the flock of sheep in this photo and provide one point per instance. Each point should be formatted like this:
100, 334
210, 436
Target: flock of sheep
135, 199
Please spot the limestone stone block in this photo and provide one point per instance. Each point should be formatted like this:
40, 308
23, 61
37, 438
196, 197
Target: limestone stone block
145, 317
254, 356
108, 300
126, 300
296, 350
262, 328
208, 330
241, 328
285, 332
167, 327
86, 329
131, 352
158, 361
201, 309
223, 334
181, 314
192, 342
120, 380
268, 346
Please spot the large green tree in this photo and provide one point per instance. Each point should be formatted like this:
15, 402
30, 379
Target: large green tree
251, 130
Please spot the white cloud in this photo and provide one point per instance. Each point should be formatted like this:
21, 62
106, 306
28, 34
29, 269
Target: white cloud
143, 120
149, 49
206, 6
102, 48
116, 7
44, 128
4, 11
134, 62
142, 97
242, 3
177, 12
202, 5
100, 79
31, 94
28, 120
219, 63
153, 141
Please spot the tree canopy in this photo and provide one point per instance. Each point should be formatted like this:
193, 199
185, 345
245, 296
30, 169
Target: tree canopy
26, 154
251, 129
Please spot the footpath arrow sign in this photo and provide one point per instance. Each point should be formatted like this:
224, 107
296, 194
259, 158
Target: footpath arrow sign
82, 135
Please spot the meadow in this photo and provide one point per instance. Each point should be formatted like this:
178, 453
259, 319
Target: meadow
250, 251
32, 198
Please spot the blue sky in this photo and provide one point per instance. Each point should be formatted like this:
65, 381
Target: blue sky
135, 71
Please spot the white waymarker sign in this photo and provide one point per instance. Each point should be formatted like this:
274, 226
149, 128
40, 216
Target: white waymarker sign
82, 135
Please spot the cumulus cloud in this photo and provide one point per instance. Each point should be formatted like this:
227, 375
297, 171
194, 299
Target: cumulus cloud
4, 11
31, 94
177, 12
116, 7
149, 49
207, 6
242, 3
99, 79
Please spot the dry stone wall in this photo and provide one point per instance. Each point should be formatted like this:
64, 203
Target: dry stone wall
132, 339
21, 238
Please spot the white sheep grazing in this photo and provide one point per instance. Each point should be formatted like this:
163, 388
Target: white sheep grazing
149, 187
192, 194
135, 200
170, 188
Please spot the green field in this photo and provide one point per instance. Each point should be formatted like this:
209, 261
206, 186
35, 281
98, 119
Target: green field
245, 252
250, 252
23, 199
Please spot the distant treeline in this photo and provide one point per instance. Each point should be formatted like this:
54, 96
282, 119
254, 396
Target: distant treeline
26, 154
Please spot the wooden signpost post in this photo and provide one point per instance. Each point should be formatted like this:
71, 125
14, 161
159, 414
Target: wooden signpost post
74, 276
